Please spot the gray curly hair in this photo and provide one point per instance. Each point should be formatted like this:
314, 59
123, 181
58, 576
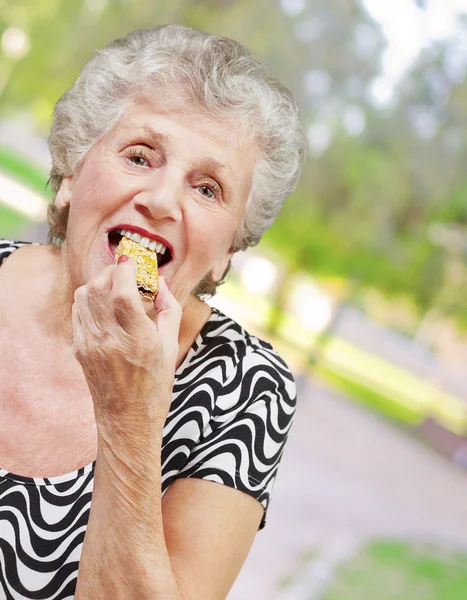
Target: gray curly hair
213, 74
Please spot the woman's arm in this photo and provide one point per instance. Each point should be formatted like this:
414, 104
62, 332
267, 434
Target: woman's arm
124, 553
129, 363
209, 529
190, 545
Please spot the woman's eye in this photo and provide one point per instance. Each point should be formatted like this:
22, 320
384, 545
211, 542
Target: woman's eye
207, 192
139, 160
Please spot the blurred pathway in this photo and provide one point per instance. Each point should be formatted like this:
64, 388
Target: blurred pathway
347, 475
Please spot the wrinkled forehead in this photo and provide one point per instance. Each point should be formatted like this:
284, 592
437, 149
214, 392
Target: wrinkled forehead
182, 129
224, 125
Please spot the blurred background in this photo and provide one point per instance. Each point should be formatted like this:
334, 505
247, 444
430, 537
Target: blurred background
361, 284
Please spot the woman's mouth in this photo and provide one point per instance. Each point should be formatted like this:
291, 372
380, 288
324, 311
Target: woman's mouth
164, 255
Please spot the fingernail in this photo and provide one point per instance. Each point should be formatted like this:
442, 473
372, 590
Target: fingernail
122, 258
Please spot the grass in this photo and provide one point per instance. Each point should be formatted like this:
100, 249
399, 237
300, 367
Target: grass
389, 570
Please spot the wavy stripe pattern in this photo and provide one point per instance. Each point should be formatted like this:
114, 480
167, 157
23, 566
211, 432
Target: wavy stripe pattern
232, 408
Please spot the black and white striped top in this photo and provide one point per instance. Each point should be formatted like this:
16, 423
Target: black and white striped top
232, 408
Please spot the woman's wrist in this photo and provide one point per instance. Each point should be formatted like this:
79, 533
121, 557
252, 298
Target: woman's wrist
133, 415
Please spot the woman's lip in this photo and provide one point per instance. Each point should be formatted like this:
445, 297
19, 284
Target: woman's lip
144, 233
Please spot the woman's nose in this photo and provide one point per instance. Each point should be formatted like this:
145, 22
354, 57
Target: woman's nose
163, 195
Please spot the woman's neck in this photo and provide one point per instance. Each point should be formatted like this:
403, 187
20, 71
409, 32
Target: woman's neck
194, 316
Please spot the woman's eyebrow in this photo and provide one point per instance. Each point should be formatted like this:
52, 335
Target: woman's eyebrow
156, 136
209, 163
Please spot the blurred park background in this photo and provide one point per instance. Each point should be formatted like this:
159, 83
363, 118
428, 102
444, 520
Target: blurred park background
361, 283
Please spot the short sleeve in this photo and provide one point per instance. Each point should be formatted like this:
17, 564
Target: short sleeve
9, 246
243, 443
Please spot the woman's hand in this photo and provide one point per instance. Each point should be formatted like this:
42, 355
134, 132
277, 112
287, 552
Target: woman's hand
128, 358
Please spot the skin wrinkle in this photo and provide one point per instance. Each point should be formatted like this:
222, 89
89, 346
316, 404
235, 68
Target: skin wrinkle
129, 469
160, 139
132, 571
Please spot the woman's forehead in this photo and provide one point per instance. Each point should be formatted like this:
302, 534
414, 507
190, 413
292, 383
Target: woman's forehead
182, 129
164, 119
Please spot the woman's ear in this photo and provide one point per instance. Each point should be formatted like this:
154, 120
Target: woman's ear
63, 196
220, 267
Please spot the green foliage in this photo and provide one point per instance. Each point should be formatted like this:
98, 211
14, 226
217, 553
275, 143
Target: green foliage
24, 171
391, 570
11, 222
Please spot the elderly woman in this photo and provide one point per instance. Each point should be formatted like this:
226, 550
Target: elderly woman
121, 416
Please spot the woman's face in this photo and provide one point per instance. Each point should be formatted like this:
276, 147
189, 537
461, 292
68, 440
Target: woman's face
169, 172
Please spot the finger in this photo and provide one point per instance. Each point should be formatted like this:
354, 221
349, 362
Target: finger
86, 318
168, 311
98, 295
124, 296
78, 337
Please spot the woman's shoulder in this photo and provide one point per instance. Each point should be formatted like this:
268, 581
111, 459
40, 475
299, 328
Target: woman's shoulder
226, 344
9, 246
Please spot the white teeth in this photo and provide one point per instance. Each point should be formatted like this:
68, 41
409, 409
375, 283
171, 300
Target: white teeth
144, 241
